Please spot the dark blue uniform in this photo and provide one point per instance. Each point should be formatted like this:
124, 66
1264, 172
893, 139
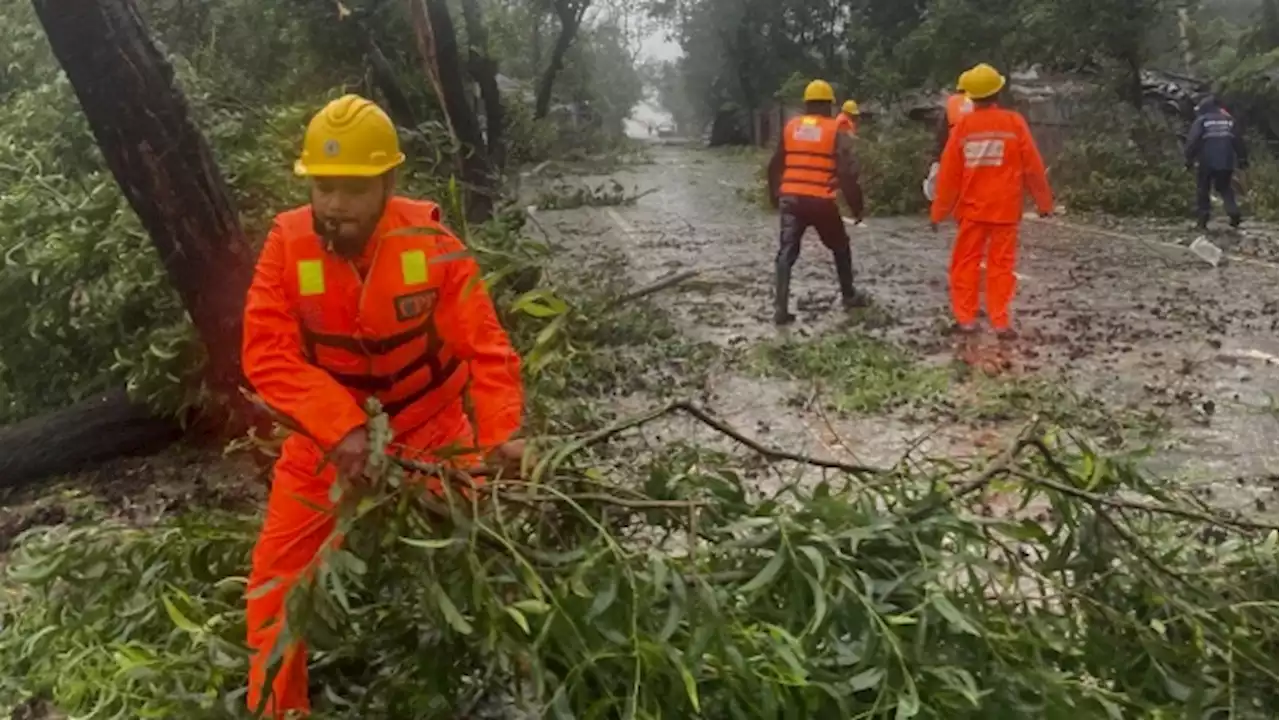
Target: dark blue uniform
1215, 145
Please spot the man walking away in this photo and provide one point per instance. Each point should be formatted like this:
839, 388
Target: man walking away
813, 157
989, 161
848, 118
1214, 142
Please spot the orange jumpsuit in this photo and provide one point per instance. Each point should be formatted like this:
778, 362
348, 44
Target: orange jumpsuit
989, 161
406, 323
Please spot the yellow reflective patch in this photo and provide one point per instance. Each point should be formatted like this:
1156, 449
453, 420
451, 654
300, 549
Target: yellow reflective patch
413, 266
809, 120
310, 277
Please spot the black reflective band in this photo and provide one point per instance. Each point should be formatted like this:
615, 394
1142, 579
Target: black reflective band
438, 378
380, 383
366, 346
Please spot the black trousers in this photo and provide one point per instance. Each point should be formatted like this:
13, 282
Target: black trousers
798, 214
1219, 180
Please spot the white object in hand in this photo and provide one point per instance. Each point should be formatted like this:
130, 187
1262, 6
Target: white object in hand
930, 184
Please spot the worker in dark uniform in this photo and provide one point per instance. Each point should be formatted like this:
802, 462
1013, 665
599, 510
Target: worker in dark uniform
814, 157
1215, 144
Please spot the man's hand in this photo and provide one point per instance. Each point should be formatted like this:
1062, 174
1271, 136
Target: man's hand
351, 454
509, 456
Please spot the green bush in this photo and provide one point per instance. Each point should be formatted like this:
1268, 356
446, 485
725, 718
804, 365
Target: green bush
894, 157
1110, 172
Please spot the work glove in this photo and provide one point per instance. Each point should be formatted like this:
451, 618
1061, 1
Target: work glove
1045, 213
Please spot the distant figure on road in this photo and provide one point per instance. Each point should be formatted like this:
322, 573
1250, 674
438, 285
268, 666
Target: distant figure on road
1215, 144
813, 157
989, 161
848, 119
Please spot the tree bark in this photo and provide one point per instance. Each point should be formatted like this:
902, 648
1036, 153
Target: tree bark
164, 167
91, 431
434, 28
570, 13
484, 70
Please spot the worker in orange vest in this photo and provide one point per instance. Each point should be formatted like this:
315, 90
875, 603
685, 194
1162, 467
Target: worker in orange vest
989, 162
848, 118
812, 159
348, 303
958, 104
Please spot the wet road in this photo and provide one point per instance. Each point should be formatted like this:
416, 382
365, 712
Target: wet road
1128, 314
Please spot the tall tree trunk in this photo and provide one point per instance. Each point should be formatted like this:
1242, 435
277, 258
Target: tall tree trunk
484, 70
570, 14
163, 165
434, 27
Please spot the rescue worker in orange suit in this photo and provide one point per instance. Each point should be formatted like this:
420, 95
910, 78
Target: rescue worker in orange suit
848, 119
812, 159
989, 161
345, 305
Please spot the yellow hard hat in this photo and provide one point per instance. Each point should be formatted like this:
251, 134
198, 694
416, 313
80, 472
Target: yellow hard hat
349, 137
983, 81
960, 82
819, 91
850, 107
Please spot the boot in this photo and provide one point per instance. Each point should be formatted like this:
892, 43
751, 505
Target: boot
1235, 222
782, 296
850, 297
855, 299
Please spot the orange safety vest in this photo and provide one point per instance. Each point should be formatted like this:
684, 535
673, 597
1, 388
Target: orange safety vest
847, 123
377, 335
809, 157
957, 105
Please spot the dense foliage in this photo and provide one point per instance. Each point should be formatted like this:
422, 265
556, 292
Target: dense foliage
87, 303
624, 582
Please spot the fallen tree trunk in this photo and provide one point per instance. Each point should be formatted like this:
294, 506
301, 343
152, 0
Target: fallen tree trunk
91, 431
164, 166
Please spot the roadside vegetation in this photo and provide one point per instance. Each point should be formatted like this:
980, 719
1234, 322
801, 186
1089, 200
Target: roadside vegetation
630, 572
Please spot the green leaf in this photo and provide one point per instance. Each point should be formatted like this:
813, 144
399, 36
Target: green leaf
690, 688
603, 600
519, 618
183, 623
866, 680
450, 611
532, 607
819, 562
766, 574
430, 543
952, 614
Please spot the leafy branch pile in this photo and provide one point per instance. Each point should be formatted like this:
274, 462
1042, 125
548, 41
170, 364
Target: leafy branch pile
619, 582
565, 196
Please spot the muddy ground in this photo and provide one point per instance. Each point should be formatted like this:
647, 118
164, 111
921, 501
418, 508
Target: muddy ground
1121, 312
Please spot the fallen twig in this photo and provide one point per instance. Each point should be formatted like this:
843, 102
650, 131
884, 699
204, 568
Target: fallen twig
1120, 503
656, 286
